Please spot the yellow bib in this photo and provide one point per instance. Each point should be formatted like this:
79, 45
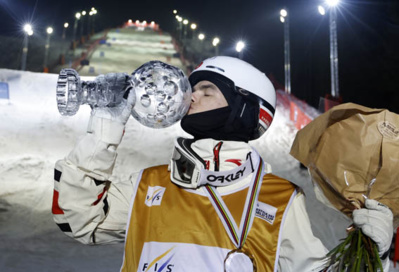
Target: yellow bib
172, 229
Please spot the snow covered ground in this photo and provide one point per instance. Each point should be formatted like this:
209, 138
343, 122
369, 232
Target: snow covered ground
33, 136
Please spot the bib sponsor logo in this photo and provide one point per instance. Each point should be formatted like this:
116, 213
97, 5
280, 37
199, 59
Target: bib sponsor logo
228, 178
266, 212
235, 161
154, 196
180, 257
160, 263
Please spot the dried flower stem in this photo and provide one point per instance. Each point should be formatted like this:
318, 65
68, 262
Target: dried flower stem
356, 253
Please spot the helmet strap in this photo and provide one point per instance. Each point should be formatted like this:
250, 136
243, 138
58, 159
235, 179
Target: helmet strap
234, 112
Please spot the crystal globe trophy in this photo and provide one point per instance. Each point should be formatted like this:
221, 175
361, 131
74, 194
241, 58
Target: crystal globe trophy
162, 93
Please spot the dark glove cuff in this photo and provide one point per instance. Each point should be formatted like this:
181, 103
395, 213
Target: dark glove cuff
385, 255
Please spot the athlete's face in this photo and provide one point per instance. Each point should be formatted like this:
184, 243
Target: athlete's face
206, 96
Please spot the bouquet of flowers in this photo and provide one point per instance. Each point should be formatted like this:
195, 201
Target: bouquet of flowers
352, 153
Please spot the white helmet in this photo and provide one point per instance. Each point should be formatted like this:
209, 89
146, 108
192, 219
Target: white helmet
248, 81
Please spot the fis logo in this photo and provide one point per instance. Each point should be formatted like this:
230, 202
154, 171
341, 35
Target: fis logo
154, 196
162, 263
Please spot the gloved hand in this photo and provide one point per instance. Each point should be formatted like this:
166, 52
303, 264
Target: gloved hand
376, 221
108, 123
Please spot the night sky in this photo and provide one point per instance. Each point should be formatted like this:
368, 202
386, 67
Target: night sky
368, 37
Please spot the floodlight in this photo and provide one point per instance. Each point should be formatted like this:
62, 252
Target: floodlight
240, 46
322, 10
332, 3
28, 28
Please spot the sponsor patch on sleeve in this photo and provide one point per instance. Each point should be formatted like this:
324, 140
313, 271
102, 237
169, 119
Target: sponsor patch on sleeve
266, 212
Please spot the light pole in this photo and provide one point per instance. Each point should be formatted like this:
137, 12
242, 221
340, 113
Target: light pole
180, 29
239, 48
333, 45
75, 27
215, 43
193, 28
201, 37
185, 23
46, 48
93, 27
89, 22
66, 25
81, 27
284, 18
28, 32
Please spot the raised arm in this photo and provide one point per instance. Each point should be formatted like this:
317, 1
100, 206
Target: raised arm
86, 205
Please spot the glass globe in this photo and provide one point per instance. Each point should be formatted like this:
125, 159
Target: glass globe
163, 94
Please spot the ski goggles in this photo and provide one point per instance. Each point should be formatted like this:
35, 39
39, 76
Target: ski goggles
185, 170
188, 170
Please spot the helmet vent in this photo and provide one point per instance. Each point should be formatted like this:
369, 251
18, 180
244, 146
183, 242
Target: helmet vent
214, 67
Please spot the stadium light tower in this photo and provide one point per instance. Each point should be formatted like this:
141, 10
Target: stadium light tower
185, 23
89, 22
284, 18
93, 26
75, 27
82, 25
193, 27
66, 25
46, 48
333, 4
240, 48
28, 31
215, 43
201, 37
180, 27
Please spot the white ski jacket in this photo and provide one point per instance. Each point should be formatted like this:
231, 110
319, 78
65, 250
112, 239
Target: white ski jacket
92, 209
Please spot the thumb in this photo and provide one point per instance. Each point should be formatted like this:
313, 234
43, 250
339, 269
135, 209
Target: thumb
129, 104
131, 99
372, 204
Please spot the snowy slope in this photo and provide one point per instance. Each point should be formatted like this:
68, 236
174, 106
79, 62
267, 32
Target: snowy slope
33, 136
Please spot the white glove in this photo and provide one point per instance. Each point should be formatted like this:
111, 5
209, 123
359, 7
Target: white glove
376, 221
108, 123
